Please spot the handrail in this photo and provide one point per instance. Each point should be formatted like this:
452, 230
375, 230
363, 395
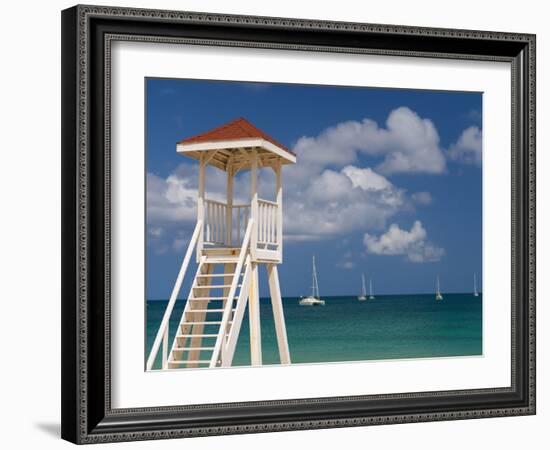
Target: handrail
268, 202
228, 350
162, 333
217, 202
231, 294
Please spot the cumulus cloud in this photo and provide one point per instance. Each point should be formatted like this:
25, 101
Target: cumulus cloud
413, 244
325, 203
468, 147
422, 198
328, 193
407, 144
333, 203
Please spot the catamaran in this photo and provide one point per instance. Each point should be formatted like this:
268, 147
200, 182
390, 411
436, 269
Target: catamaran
313, 299
363, 295
476, 294
438, 295
371, 296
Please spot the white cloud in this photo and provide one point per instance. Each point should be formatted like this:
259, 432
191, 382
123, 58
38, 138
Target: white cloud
347, 261
422, 198
325, 193
180, 244
155, 231
170, 200
468, 147
348, 265
322, 203
408, 144
332, 203
366, 179
413, 244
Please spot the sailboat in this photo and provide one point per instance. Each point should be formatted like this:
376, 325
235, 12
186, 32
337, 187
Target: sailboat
371, 296
363, 295
475, 287
438, 295
313, 299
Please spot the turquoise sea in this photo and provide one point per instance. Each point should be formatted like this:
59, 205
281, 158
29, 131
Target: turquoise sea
389, 327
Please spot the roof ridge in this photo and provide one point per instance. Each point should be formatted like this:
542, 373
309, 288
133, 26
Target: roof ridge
247, 128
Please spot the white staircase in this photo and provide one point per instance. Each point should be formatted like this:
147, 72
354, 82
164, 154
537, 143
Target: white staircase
226, 282
213, 312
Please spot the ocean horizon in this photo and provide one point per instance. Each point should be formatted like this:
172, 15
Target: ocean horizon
345, 329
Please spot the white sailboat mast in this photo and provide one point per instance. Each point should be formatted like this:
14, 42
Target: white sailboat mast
370, 287
315, 285
363, 287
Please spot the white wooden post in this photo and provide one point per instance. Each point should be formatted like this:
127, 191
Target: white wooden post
254, 319
254, 202
200, 205
165, 348
198, 328
279, 200
175, 291
228, 268
229, 208
278, 314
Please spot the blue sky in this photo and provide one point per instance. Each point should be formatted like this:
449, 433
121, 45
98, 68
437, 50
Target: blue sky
387, 182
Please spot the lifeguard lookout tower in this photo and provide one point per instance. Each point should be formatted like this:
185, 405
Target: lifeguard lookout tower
231, 242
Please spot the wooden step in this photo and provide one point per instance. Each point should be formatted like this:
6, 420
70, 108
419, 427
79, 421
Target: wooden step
214, 322
222, 249
217, 286
216, 275
188, 349
198, 361
223, 259
208, 310
196, 335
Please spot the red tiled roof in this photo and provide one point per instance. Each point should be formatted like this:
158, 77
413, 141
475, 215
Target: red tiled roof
236, 129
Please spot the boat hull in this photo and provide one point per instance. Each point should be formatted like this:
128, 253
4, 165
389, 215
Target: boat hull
311, 301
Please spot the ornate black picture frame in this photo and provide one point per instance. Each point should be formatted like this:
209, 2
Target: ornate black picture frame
87, 34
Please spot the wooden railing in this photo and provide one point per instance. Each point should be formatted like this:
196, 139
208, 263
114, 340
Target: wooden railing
216, 225
163, 332
223, 228
267, 223
239, 221
215, 222
216, 353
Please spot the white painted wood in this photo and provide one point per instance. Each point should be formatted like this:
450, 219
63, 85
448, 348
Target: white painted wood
254, 319
271, 256
198, 328
228, 310
287, 157
229, 208
228, 350
216, 217
165, 347
186, 321
200, 204
267, 228
267, 202
254, 202
228, 268
278, 313
173, 296
279, 213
